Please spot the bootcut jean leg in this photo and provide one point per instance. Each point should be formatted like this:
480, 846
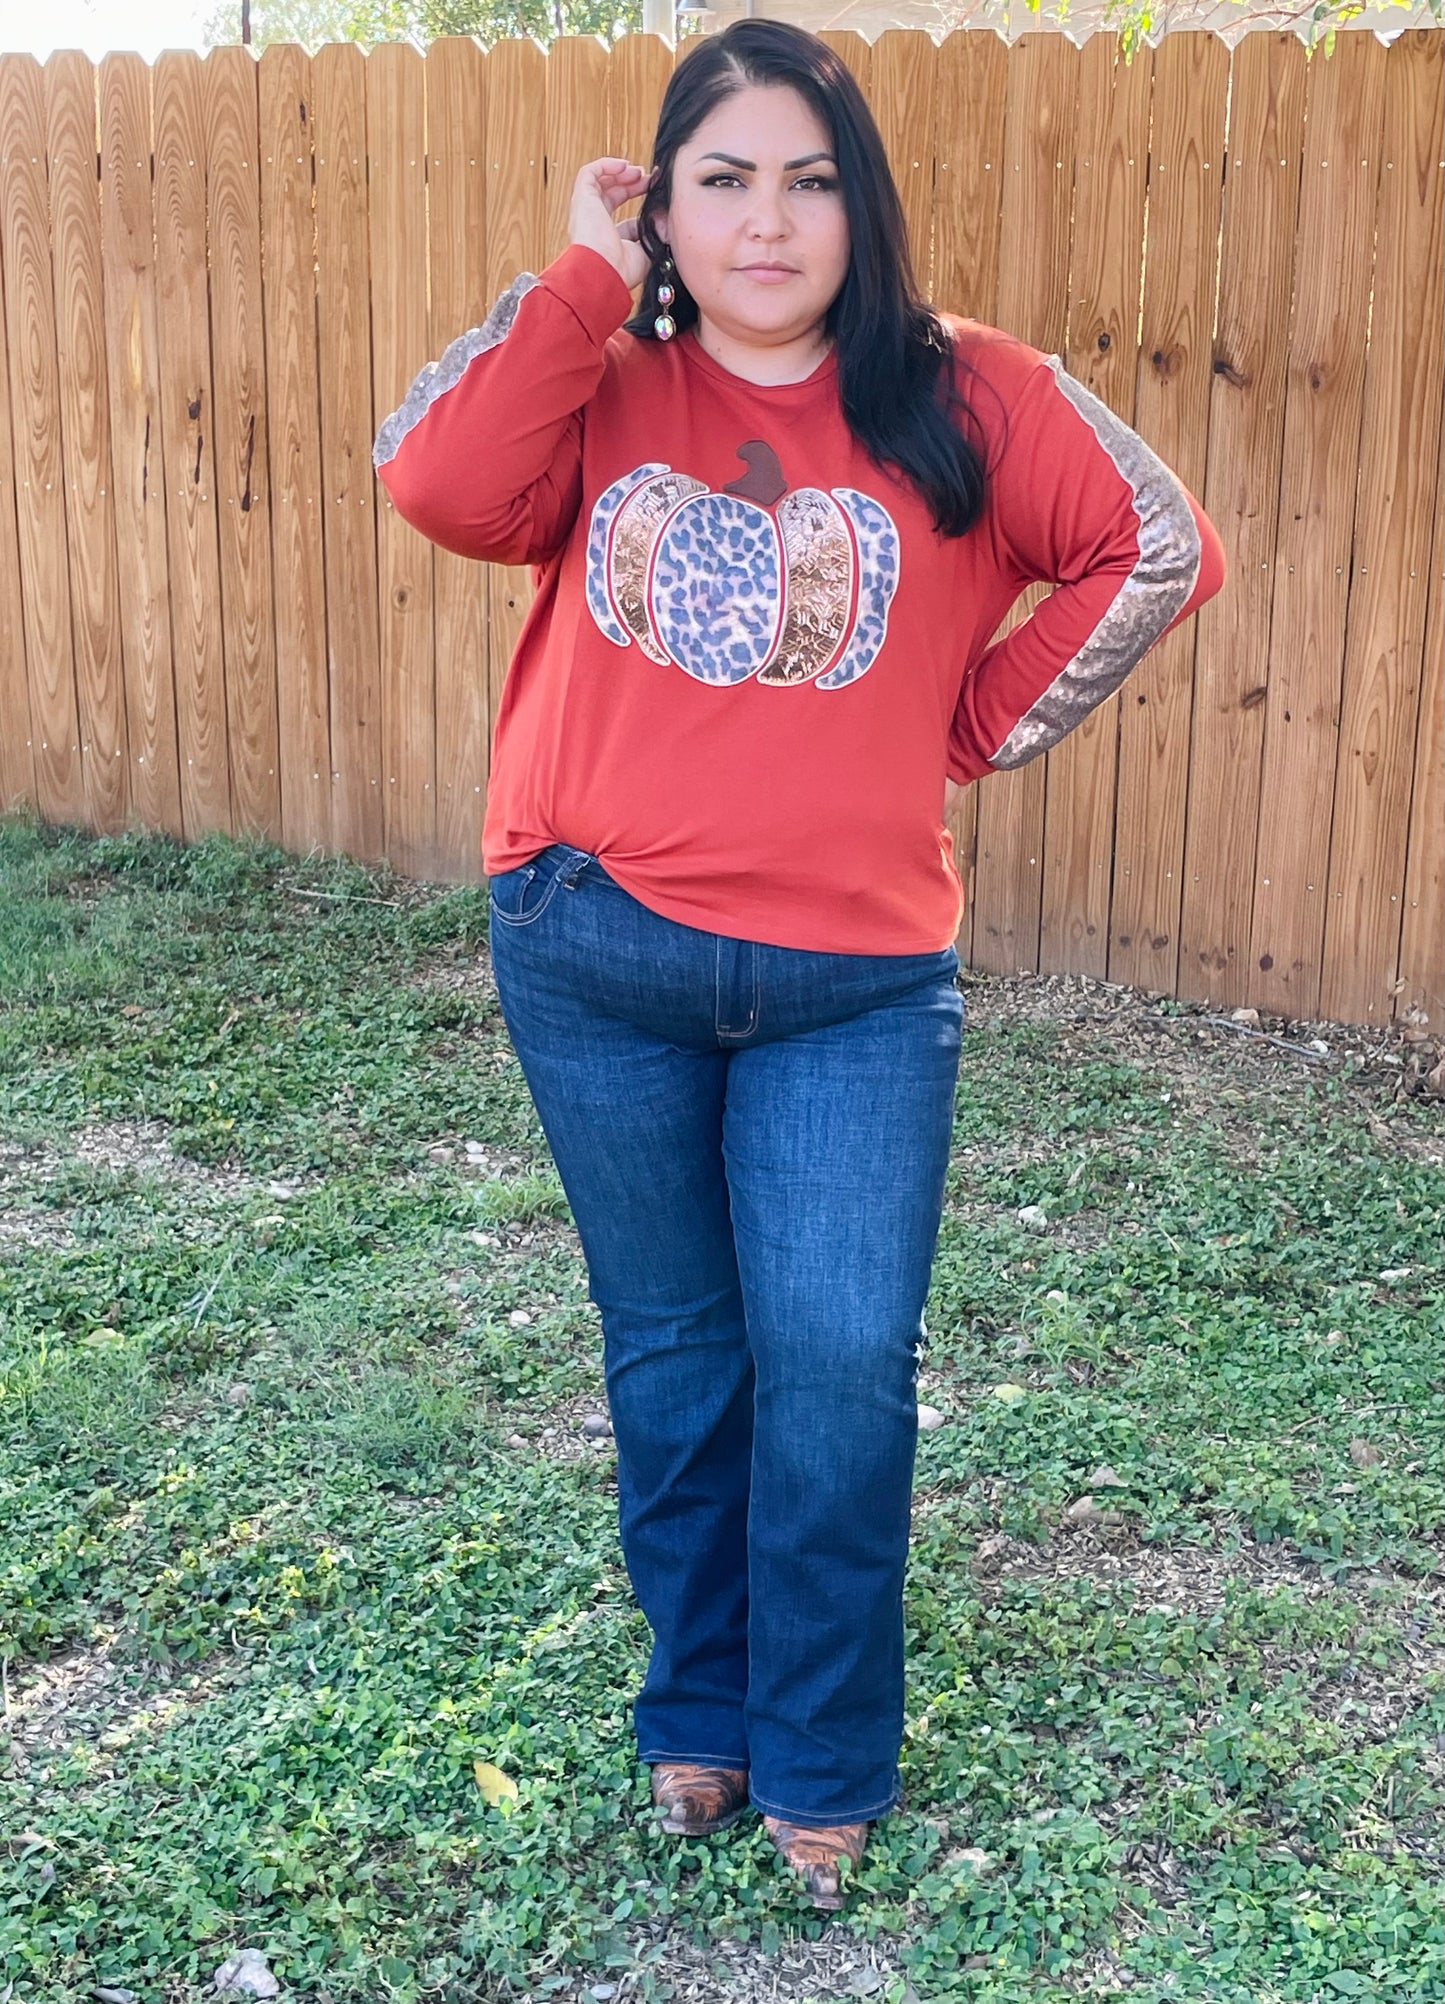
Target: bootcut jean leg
635, 1126
753, 1141
837, 1145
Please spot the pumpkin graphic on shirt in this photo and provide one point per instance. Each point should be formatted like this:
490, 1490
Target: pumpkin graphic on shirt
760, 580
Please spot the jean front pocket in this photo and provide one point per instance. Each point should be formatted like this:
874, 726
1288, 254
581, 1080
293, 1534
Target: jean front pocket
519, 897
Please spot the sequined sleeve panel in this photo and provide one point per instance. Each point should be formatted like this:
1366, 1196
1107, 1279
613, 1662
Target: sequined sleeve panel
1147, 601
438, 377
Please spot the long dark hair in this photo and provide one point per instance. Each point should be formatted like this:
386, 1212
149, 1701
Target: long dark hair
897, 367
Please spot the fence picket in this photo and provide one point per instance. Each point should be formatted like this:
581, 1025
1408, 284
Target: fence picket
970, 101
188, 444
243, 474
1323, 407
1082, 792
1421, 982
1033, 287
348, 426
401, 345
1171, 410
85, 430
288, 229
1390, 547
1241, 497
35, 418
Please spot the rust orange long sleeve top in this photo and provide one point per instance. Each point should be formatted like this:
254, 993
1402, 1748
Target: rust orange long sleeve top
751, 661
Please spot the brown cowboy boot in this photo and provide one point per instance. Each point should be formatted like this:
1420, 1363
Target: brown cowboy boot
699, 1800
815, 1854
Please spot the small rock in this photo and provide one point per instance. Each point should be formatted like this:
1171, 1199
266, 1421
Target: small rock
597, 1426
281, 1190
1104, 1477
979, 1860
440, 1151
602, 1991
1364, 1453
238, 1395
1397, 1273
1057, 1294
519, 1318
1084, 1510
516, 1440
929, 1417
1318, 1044
1034, 1217
114, 1993
865, 1981
246, 1974
1250, 1016
549, 1433
476, 1151
482, 1238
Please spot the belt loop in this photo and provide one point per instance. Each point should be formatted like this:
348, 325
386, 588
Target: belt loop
572, 872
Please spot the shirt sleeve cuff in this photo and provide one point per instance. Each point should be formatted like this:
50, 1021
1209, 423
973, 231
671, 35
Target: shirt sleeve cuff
592, 286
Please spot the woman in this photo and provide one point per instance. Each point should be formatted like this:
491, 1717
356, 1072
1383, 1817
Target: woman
774, 516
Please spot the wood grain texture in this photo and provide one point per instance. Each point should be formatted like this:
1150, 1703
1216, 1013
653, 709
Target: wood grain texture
970, 101
1390, 555
575, 131
1111, 163
1324, 401
1241, 497
1043, 80
243, 473
85, 432
903, 93
127, 234
1420, 986
17, 767
401, 345
1171, 413
187, 429
288, 230
348, 428
457, 189
36, 432
856, 51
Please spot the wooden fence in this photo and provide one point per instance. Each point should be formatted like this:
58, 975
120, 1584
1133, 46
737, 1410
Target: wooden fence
220, 274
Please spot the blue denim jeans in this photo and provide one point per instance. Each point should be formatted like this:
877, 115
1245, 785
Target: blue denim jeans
753, 1140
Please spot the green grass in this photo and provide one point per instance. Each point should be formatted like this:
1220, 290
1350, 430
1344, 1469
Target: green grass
260, 1520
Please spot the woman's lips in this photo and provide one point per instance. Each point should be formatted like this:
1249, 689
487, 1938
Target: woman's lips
767, 274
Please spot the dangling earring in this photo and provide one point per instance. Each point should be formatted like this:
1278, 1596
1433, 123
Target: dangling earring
664, 326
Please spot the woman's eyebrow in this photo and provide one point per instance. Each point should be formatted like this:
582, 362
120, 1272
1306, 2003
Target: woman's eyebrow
788, 165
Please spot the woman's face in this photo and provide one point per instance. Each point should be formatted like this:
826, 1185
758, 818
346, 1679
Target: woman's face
771, 201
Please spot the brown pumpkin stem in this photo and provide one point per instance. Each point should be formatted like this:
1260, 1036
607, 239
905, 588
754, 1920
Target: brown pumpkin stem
763, 482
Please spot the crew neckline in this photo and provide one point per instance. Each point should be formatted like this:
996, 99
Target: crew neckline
698, 355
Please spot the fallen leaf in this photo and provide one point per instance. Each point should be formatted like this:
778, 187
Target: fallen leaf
1363, 1453
1010, 1394
493, 1783
1104, 1477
